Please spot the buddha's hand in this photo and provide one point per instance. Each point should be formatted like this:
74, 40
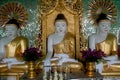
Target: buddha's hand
47, 62
2, 56
112, 62
9, 60
60, 56
111, 58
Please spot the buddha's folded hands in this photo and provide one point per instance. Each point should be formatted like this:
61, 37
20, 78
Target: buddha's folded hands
111, 58
113, 62
61, 55
2, 56
47, 62
11, 61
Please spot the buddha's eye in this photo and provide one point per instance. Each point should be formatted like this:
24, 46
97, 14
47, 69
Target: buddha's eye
57, 26
63, 25
103, 25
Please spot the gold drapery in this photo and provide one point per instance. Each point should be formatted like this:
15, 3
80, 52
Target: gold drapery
16, 47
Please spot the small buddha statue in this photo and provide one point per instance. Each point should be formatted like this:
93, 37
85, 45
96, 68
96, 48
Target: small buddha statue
105, 41
12, 45
61, 47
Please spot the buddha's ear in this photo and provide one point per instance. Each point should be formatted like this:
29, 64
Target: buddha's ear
18, 32
97, 29
3, 29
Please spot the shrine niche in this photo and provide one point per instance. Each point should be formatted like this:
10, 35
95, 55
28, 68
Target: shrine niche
72, 10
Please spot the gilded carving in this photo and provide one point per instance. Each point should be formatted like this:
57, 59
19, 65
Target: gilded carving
75, 5
47, 5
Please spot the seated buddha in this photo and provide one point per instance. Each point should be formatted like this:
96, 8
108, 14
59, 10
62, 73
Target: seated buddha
105, 41
61, 47
12, 46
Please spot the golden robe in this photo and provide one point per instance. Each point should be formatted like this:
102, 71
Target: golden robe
14, 49
67, 46
109, 46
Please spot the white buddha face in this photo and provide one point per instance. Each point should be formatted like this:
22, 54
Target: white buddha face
60, 26
104, 26
11, 30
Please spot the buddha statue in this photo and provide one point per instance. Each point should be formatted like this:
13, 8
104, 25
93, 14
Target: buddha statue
12, 46
61, 47
105, 41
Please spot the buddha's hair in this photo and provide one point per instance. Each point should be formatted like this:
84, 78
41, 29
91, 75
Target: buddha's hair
13, 21
101, 17
60, 17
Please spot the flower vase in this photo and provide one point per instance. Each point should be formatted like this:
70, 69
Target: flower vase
31, 70
90, 69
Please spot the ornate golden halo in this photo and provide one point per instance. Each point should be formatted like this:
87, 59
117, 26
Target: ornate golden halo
13, 10
97, 7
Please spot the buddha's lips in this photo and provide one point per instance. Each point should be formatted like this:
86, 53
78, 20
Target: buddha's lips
106, 30
10, 34
61, 30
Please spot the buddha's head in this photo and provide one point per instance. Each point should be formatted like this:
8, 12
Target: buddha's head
60, 24
11, 28
103, 23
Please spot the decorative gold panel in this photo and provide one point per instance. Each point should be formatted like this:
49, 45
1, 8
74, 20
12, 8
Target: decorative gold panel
71, 9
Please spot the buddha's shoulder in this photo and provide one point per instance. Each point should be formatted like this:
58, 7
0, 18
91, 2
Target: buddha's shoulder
68, 34
51, 36
92, 36
3, 39
111, 35
22, 38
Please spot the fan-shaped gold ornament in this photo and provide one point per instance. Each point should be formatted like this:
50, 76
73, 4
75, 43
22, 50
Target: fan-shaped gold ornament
97, 7
13, 10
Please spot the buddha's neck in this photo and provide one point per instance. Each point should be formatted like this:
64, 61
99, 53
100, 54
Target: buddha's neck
60, 34
102, 34
12, 37
101, 37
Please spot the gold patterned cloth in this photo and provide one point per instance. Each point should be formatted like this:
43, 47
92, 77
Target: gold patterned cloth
108, 46
65, 53
67, 46
16, 47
